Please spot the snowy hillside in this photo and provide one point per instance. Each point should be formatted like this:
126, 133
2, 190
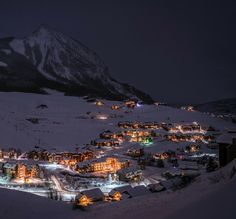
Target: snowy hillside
59, 123
64, 124
59, 57
48, 58
204, 199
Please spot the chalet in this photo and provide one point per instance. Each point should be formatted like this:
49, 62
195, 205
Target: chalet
129, 174
38, 155
150, 125
99, 103
115, 107
115, 195
24, 171
70, 158
164, 155
137, 133
129, 191
107, 164
56, 158
122, 192
131, 103
9, 154
105, 142
135, 151
127, 124
111, 135
88, 197
192, 148
139, 191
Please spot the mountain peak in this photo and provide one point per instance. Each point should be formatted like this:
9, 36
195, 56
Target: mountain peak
44, 30
43, 27
70, 65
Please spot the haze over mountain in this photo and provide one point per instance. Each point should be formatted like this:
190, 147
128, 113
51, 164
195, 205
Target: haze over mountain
50, 59
225, 106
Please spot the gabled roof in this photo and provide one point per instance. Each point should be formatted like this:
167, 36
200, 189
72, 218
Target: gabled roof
139, 190
131, 191
94, 194
123, 189
126, 170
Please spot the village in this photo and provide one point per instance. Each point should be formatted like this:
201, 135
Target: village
123, 162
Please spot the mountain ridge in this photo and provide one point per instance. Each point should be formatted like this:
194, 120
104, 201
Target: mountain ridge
50, 59
222, 106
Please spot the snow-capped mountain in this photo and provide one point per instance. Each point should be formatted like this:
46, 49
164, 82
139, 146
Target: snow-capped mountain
50, 59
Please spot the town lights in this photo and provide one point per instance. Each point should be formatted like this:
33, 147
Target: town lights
102, 117
147, 141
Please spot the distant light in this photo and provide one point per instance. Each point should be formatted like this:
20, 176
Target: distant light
102, 117
138, 105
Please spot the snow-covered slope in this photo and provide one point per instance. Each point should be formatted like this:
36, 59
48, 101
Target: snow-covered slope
19, 205
204, 199
64, 124
48, 58
59, 57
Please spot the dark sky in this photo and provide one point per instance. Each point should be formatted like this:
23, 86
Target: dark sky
177, 51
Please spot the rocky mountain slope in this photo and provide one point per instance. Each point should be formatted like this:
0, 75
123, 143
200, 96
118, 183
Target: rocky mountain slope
50, 59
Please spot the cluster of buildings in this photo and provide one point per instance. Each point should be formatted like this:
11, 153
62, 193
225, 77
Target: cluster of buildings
139, 125
27, 172
20, 171
89, 197
10, 153
135, 151
109, 138
188, 108
186, 128
105, 142
111, 135
131, 103
189, 137
104, 164
69, 159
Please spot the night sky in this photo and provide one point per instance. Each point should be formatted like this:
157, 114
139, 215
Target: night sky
177, 51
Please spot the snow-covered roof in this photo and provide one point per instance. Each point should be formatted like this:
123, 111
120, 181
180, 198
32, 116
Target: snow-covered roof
123, 189
94, 194
171, 183
155, 187
131, 169
139, 190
